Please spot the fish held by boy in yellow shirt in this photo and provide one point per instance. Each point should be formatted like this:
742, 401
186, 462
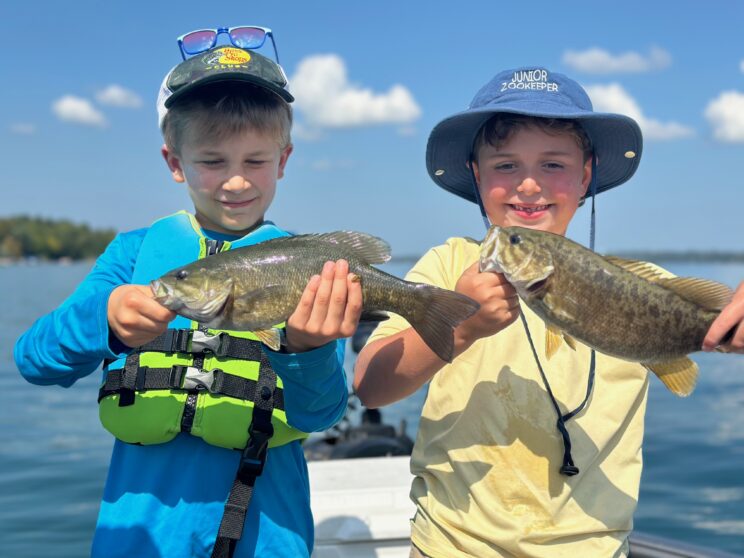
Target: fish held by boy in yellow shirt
623, 308
253, 288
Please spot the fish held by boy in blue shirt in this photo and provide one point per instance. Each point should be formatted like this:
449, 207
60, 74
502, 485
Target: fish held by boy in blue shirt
256, 287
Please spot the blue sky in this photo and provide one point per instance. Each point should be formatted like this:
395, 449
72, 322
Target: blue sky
79, 136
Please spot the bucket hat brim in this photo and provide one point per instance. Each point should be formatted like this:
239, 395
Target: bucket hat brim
616, 140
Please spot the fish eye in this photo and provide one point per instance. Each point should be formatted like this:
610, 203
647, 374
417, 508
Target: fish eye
515, 239
182, 274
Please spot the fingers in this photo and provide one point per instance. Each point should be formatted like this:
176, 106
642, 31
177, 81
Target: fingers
140, 301
304, 308
726, 331
134, 316
329, 308
354, 305
323, 300
337, 298
728, 328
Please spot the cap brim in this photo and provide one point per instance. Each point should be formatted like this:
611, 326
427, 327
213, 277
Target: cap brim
616, 139
228, 77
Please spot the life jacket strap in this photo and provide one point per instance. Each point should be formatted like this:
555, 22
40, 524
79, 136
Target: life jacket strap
183, 378
195, 341
252, 462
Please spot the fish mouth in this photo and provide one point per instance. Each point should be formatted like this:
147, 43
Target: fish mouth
163, 293
489, 251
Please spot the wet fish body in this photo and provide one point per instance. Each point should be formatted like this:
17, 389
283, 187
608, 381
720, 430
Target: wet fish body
256, 287
623, 308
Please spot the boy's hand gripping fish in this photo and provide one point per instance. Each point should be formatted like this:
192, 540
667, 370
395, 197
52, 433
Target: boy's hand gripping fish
255, 288
624, 308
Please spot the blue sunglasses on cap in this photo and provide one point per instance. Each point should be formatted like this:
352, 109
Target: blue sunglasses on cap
244, 36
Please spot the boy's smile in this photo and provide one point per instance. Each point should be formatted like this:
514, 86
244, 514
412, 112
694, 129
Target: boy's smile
232, 182
534, 179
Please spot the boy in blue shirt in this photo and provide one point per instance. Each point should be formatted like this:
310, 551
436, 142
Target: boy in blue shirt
193, 409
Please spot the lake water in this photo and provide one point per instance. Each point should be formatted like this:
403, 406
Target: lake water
55, 453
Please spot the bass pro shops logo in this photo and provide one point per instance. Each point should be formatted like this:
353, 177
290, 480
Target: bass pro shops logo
535, 80
228, 57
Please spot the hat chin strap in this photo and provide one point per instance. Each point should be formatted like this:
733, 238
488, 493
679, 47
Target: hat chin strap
478, 199
593, 192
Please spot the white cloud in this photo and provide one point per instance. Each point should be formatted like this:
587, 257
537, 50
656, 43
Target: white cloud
117, 96
726, 115
613, 98
599, 61
326, 98
741, 66
23, 128
77, 110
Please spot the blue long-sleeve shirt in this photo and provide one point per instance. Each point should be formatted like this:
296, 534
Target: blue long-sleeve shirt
167, 500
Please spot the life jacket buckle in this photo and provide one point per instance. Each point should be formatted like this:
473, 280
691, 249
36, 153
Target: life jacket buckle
203, 342
190, 378
254, 455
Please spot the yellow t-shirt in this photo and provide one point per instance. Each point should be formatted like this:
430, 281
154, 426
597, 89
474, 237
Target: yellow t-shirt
487, 456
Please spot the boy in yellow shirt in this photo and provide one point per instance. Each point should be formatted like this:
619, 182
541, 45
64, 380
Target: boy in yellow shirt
495, 474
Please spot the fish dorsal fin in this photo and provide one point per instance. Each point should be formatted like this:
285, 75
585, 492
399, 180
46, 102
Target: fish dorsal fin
708, 294
680, 375
644, 270
370, 249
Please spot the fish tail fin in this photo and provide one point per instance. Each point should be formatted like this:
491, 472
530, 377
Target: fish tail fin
438, 312
679, 376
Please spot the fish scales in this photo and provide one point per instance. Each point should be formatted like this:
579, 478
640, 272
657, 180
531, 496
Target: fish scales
616, 311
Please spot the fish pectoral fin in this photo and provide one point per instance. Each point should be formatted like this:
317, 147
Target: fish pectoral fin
553, 340
269, 337
679, 376
708, 294
644, 270
570, 341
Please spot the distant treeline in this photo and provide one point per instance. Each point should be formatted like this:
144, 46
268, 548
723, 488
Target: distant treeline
24, 237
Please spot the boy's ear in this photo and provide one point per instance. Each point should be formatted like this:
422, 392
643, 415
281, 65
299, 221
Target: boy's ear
174, 164
586, 179
283, 156
476, 171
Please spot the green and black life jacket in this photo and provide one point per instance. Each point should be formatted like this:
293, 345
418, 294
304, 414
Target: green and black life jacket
190, 379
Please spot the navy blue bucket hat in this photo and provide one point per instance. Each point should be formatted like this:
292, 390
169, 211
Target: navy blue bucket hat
616, 139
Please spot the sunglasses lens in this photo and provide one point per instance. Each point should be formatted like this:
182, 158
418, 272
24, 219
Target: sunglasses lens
198, 41
247, 37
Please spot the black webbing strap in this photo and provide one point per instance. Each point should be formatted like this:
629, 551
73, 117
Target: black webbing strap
197, 341
568, 468
252, 461
125, 381
130, 379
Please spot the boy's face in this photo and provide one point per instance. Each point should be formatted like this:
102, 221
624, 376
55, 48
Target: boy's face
231, 182
534, 180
